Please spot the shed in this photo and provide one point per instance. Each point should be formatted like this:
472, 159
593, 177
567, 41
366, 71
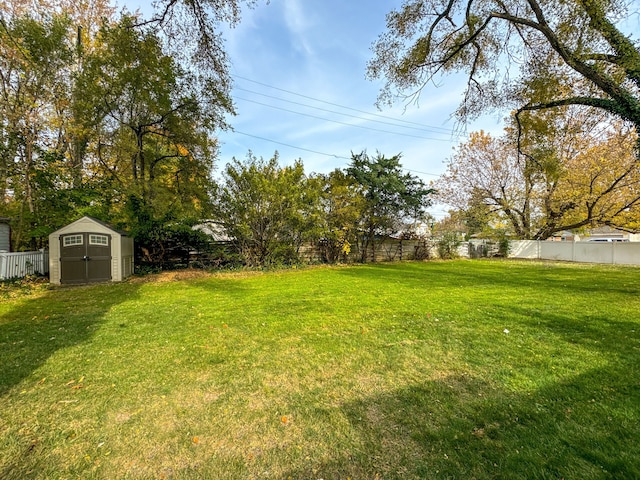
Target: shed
88, 251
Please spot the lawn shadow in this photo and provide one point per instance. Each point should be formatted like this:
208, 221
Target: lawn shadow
463, 427
511, 274
617, 339
37, 327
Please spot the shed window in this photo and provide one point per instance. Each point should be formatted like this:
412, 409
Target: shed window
71, 240
98, 240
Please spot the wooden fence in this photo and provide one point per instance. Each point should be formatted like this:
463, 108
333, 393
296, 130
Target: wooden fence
21, 264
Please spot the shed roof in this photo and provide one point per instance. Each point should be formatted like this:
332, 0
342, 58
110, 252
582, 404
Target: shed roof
85, 219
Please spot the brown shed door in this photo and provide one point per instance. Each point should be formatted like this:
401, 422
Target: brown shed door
85, 258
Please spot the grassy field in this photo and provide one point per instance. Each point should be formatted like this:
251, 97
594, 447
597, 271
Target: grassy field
464, 369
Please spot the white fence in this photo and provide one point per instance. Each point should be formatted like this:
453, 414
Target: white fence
618, 253
21, 264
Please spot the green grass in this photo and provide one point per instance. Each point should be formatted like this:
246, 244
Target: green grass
379, 371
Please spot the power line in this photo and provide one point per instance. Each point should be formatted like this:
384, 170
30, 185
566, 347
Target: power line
342, 123
291, 146
444, 130
420, 129
319, 153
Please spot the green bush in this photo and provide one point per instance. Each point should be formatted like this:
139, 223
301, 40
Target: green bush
448, 245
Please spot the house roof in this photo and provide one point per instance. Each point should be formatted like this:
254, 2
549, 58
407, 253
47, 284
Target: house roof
606, 230
215, 230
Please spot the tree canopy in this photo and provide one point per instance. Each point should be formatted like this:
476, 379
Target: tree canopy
101, 115
391, 196
571, 178
528, 55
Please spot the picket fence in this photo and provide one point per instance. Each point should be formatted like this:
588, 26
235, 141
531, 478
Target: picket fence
21, 264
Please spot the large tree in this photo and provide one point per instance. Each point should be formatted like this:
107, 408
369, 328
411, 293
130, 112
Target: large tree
571, 178
150, 134
568, 53
391, 197
147, 111
267, 209
34, 71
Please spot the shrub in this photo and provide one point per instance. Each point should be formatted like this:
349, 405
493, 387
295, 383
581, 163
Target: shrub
448, 245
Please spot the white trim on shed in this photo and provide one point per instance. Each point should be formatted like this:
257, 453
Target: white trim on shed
121, 249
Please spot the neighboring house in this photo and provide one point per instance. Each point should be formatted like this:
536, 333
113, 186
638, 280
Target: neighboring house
5, 235
600, 234
413, 230
609, 234
564, 236
215, 230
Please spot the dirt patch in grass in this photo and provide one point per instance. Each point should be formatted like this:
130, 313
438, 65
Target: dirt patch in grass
172, 276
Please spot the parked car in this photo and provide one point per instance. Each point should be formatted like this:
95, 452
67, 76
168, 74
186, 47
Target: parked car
608, 239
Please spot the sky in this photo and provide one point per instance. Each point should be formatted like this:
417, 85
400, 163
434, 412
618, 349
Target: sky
300, 88
299, 85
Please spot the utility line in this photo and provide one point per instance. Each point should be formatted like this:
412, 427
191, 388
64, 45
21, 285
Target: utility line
444, 130
291, 146
420, 129
343, 123
320, 153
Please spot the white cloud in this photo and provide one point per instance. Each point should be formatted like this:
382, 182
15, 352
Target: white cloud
299, 25
319, 49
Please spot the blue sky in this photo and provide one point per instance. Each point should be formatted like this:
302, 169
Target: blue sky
299, 71
300, 88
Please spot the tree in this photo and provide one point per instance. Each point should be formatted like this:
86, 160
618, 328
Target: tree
487, 170
151, 135
34, 69
570, 178
342, 207
570, 53
390, 197
476, 218
268, 210
109, 119
189, 29
599, 186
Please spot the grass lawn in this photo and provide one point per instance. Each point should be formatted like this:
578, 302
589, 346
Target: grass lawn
463, 369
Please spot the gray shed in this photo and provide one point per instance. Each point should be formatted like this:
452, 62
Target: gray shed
88, 251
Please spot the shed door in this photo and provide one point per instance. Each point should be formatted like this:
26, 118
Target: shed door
85, 257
